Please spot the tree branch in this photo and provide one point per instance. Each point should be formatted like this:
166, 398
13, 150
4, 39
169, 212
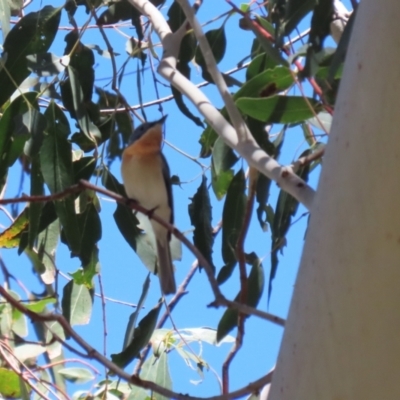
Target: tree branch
248, 149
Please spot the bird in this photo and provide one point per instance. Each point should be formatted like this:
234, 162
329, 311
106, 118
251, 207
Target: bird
147, 180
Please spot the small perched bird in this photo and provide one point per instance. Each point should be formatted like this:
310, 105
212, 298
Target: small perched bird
146, 178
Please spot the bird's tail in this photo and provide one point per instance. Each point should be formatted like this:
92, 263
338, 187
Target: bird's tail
165, 269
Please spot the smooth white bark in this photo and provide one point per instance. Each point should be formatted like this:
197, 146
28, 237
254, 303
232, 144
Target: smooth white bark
342, 338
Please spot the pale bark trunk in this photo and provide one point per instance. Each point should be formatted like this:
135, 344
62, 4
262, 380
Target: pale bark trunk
342, 339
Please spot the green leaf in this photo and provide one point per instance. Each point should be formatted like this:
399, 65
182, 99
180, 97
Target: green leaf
110, 182
217, 40
118, 11
130, 328
322, 121
232, 222
54, 349
45, 64
220, 183
9, 384
11, 236
272, 51
91, 131
176, 16
178, 97
285, 209
35, 209
267, 83
341, 50
260, 63
255, 287
77, 375
84, 276
28, 350
56, 165
40, 305
19, 121
279, 109
207, 140
294, 12
76, 304
320, 29
223, 159
127, 224
141, 338
90, 228
83, 168
47, 244
157, 371
200, 212
33, 33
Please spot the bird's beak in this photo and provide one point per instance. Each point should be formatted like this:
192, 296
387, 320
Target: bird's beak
161, 120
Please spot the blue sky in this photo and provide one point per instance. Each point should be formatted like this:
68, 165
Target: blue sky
121, 271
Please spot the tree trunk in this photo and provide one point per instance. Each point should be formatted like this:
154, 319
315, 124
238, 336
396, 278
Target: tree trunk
342, 338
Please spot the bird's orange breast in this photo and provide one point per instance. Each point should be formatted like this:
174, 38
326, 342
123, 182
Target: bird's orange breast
148, 144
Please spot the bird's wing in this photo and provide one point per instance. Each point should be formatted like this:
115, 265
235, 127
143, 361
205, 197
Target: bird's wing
167, 180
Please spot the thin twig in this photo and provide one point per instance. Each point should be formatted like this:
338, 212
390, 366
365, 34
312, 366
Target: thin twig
220, 300
92, 353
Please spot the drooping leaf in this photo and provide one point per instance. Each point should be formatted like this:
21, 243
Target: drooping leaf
33, 33
207, 140
320, 29
201, 217
87, 126
223, 159
279, 109
83, 168
285, 209
20, 121
232, 222
264, 40
76, 303
130, 328
84, 276
217, 41
116, 11
56, 166
156, 370
91, 231
47, 244
263, 183
141, 338
45, 64
288, 13
39, 305
10, 237
28, 350
255, 287
260, 63
118, 124
184, 69
342, 47
35, 209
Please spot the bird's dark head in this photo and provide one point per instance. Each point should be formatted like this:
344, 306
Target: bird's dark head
143, 128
